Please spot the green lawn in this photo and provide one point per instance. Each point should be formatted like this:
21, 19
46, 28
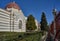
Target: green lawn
14, 36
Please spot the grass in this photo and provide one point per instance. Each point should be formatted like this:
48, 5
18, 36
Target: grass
14, 36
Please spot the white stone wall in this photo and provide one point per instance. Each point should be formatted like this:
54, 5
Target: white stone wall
4, 21
8, 22
36, 25
20, 16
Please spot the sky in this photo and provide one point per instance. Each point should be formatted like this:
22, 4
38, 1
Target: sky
35, 7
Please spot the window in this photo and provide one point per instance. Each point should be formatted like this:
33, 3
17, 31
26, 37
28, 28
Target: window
20, 24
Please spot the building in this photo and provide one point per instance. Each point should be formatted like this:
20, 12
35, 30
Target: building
51, 34
12, 19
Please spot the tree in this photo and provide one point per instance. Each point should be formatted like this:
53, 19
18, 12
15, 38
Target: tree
43, 22
30, 24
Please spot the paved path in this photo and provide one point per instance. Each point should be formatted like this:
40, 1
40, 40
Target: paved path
44, 37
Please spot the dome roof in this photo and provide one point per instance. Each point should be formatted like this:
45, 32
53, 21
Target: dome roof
13, 5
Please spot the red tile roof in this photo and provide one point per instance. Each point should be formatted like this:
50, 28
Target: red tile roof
13, 5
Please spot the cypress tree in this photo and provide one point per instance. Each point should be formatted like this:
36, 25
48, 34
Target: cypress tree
30, 24
43, 22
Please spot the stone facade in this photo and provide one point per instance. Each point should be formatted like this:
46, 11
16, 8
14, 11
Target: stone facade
10, 20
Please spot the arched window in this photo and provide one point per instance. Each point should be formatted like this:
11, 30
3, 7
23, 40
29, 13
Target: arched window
20, 24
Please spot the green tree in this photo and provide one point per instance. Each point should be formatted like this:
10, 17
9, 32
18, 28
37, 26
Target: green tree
44, 25
30, 24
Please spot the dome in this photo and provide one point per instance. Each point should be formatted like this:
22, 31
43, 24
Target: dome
13, 5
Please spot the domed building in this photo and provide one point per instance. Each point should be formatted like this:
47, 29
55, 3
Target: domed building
12, 19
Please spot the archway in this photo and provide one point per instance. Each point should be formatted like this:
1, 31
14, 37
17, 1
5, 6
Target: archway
20, 24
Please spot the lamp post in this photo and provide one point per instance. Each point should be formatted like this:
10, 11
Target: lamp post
54, 13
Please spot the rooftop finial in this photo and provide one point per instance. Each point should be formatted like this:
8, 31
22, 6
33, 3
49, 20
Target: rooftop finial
13, 1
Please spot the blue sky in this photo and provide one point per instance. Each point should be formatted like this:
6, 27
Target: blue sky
35, 7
